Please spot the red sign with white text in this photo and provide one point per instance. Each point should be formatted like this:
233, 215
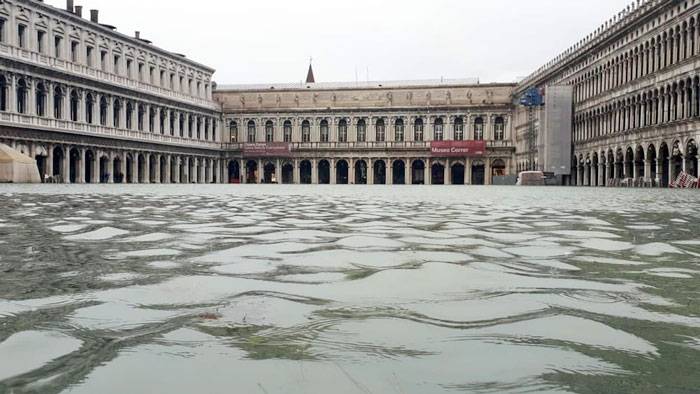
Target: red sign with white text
267, 149
458, 148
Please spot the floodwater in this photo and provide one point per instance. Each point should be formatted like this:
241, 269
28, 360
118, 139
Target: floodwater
348, 289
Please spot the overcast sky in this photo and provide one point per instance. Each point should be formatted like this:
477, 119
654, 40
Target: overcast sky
263, 41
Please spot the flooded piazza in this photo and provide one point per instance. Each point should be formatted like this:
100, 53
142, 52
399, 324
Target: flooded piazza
348, 289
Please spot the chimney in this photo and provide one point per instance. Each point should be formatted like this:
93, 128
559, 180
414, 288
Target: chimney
79, 10
137, 35
69, 6
95, 16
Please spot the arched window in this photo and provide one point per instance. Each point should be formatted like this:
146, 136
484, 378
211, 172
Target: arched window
141, 117
305, 131
418, 129
190, 125
213, 129
459, 129
21, 96
163, 118
103, 111
129, 116
479, 129
199, 128
151, 119
399, 130
206, 129
361, 131
58, 103
233, 130
380, 130
324, 131
117, 113
343, 131
173, 120
41, 100
74, 106
269, 131
89, 108
251, 131
438, 130
3, 93
287, 131
500, 129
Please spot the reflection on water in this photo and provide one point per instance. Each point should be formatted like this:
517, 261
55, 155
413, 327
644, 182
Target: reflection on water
183, 289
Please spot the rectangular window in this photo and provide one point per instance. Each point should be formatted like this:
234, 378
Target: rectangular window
88, 56
129, 68
190, 86
22, 36
103, 60
40, 41
74, 47
141, 72
2, 30
172, 81
182, 81
58, 46
152, 77
117, 60
162, 78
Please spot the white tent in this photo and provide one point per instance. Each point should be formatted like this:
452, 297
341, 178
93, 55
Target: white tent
16, 167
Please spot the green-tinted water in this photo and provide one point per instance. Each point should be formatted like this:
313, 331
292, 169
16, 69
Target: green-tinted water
251, 289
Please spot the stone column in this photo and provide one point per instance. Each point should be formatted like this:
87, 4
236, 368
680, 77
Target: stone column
65, 171
409, 171
351, 172
389, 172
314, 171
261, 171
586, 175
135, 168
80, 172
428, 172
202, 171
601, 174
123, 165
95, 167
468, 171
370, 172
278, 171
297, 172
333, 172
448, 179
243, 172
168, 169
488, 175
110, 168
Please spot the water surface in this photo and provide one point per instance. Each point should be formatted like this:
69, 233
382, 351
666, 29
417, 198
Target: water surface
253, 289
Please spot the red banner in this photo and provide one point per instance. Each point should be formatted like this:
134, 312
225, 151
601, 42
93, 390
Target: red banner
458, 148
267, 149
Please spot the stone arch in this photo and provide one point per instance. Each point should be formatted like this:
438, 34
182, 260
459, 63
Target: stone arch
342, 172
379, 172
361, 175
398, 172
418, 172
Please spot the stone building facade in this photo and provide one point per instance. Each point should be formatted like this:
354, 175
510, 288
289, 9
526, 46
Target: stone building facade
415, 132
93, 105
636, 96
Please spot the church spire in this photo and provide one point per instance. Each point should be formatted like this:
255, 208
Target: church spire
310, 75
